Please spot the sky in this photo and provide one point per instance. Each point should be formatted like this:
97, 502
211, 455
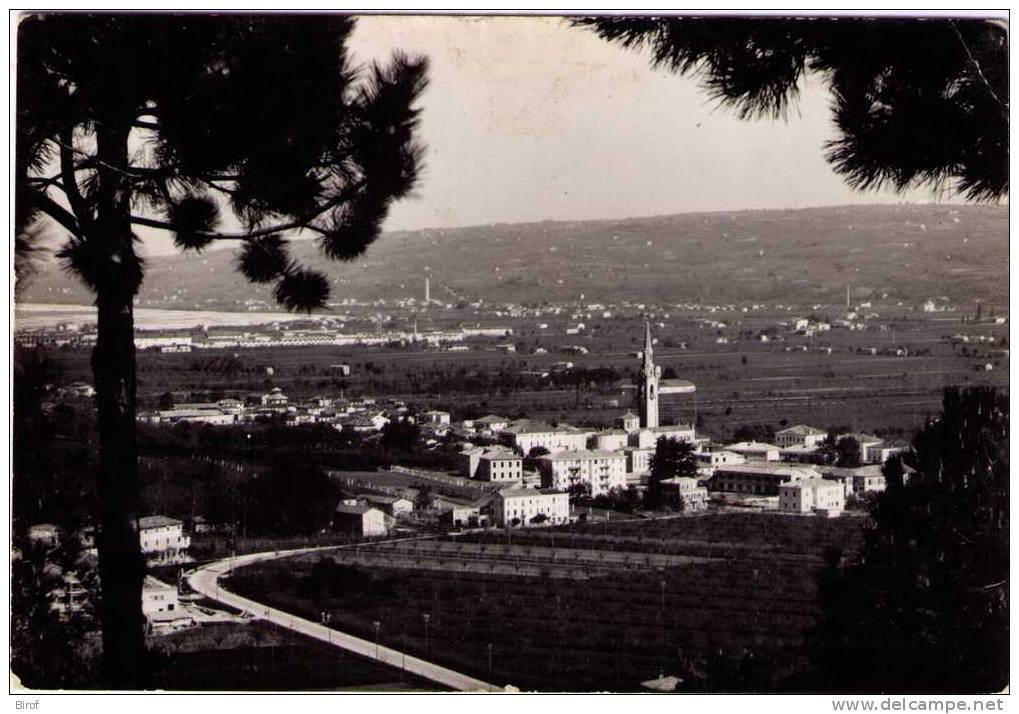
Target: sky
528, 119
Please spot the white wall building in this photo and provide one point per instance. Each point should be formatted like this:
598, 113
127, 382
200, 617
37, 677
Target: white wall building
827, 498
360, 520
158, 596
638, 462
610, 440
799, 435
500, 468
721, 457
685, 492
436, 417
603, 470
163, 541
525, 434
759, 479
755, 450
529, 507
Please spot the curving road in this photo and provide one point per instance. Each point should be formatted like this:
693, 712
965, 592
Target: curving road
205, 580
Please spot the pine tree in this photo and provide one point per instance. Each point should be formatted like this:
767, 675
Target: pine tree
172, 122
915, 101
672, 458
925, 608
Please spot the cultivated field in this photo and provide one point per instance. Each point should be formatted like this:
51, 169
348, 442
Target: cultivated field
746, 588
744, 381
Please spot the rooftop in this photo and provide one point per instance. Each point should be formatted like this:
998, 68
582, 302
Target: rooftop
862, 438
790, 470
509, 493
491, 419
358, 510
813, 485
147, 522
585, 454
801, 430
151, 583
751, 446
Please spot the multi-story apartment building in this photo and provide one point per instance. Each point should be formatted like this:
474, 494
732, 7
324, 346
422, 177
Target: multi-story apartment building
603, 470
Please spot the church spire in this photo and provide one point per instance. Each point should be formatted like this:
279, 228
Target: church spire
648, 383
648, 354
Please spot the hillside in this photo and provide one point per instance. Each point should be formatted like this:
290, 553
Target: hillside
911, 252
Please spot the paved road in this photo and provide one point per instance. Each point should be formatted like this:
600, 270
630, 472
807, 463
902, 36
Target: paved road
205, 580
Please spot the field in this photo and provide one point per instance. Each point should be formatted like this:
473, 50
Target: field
260, 657
744, 591
794, 378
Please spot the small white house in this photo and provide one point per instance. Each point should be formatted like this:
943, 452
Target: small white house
163, 541
823, 497
161, 608
361, 520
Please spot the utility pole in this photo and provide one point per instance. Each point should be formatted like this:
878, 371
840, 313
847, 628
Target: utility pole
427, 617
378, 627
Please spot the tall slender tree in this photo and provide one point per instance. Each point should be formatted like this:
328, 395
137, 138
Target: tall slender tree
672, 458
915, 101
186, 123
925, 606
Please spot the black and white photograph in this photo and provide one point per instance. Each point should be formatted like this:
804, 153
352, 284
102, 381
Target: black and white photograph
387, 353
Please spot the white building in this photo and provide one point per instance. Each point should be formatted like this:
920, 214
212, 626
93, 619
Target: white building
755, 450
438, 418
46, 535
490, 422
827, 498
361, 520
390, 505
685, 492
525, 434
161, 608
500, 468
869, 446
638, 463
603, 470
529, 507
800, 435
721, 457
212, 415
163, 541
610, 440
470, 458
759, 479
275, 399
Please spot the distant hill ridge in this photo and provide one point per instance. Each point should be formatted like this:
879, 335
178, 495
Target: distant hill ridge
909, 251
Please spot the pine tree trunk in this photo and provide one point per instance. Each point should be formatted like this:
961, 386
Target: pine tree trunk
121, 565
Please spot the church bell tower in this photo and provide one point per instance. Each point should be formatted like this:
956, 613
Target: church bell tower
648, 384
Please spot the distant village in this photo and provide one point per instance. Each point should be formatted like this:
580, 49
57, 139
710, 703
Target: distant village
519, 473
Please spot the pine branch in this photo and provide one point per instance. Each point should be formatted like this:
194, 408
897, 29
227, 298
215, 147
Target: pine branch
303, 222
70, 183
57, 212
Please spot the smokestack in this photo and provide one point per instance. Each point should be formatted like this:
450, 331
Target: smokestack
428, 296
